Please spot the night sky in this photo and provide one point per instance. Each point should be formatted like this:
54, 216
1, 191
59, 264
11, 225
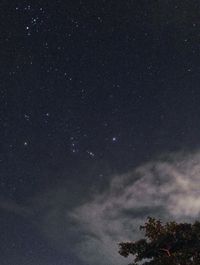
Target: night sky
100, 125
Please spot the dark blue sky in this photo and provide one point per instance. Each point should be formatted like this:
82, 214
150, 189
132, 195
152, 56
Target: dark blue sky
89, 89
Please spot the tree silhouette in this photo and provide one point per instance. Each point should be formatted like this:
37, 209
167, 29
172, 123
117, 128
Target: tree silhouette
165, 244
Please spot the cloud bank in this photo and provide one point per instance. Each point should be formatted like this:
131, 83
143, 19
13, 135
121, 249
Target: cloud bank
166, 188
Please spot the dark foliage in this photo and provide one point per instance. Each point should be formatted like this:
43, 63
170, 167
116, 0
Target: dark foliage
165, 244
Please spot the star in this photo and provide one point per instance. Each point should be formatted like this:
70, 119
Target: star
25, 143
27, 117
90, 153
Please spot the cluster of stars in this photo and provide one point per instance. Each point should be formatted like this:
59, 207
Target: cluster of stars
81, 73
36, 21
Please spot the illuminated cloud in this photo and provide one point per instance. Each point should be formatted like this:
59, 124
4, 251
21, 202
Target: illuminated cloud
167, 188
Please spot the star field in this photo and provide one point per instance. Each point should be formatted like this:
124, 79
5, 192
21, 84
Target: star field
89, 89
